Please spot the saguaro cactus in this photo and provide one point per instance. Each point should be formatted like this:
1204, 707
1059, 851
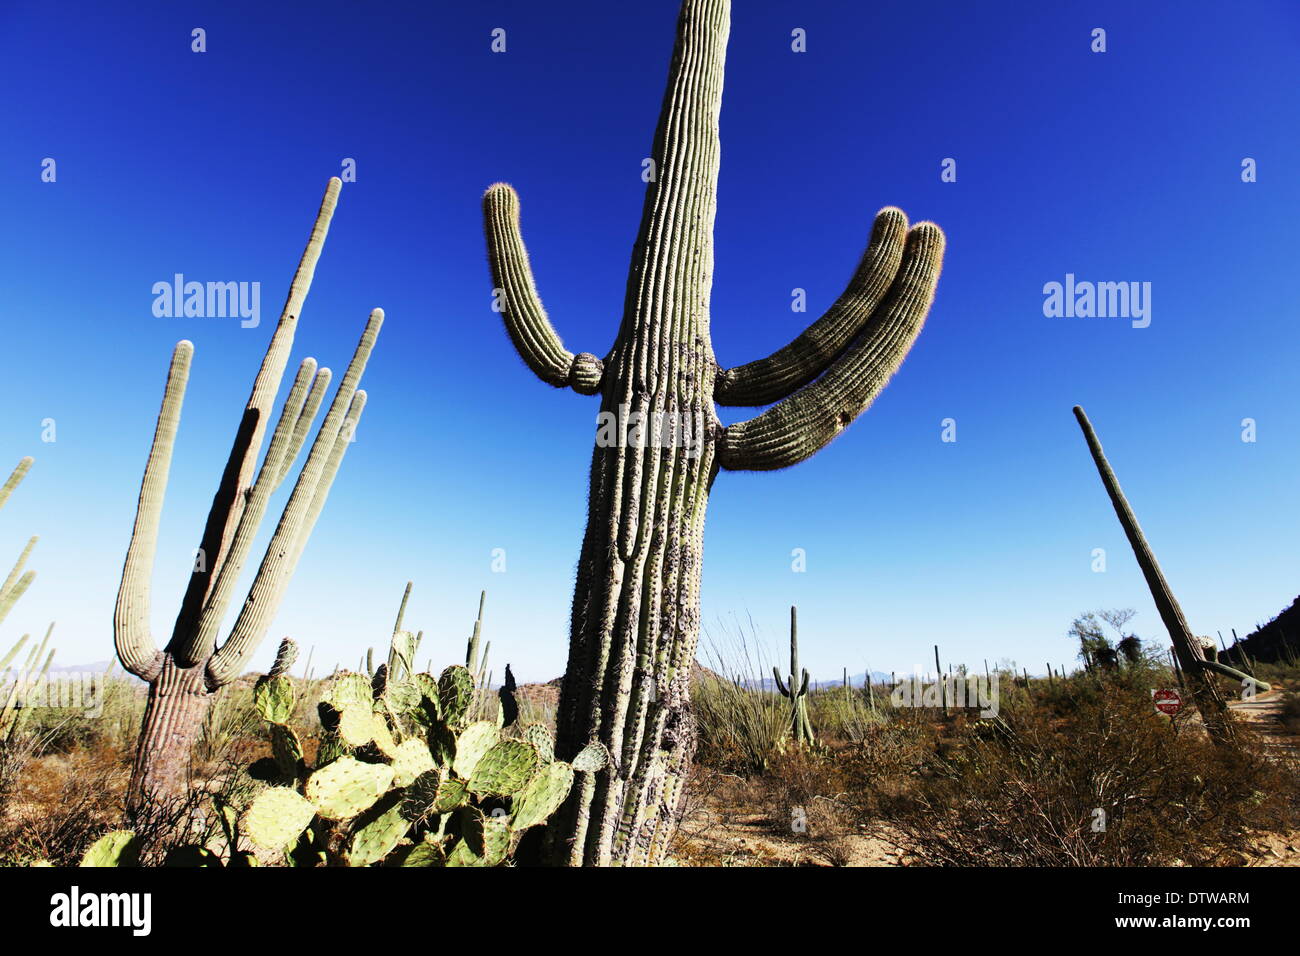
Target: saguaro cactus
191, 667
18, 581
635, 619
1186, 647
796, 688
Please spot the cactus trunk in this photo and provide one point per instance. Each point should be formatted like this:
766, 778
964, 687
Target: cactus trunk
659, 446
177, 704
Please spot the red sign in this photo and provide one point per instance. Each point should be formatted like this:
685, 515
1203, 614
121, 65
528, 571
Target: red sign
1167, 701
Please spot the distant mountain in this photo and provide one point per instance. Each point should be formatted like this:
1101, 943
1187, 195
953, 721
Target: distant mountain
855, 680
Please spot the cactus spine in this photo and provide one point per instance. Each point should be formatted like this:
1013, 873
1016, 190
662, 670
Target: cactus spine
191, 667
1187, 649
635, 620
797, 688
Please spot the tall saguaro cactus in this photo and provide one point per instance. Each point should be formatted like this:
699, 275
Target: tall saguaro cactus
1187, 648
797, 688
185, 674
635, 619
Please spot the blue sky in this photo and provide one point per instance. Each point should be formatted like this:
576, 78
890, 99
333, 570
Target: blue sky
1115, 166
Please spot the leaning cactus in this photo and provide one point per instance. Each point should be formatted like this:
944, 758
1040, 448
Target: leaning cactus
1189, 655
191, 667
797, 688
17, 581
635, 622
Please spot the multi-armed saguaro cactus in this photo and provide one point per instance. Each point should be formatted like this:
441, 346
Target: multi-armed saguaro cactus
191, 667
18, 581
635, 617
796, 688
1187, 649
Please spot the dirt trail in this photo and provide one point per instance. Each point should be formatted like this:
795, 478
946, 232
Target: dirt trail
1263, 713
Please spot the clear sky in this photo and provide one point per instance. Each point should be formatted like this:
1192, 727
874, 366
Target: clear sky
1122, 166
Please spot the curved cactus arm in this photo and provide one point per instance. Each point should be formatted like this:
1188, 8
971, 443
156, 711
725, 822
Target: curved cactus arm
534, 338
233, 491
791, 368
300, 515
779, 685
15, 478
801, 425
803, 688
203, 639
135, 646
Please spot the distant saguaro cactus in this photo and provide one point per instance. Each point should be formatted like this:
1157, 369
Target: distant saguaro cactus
1186, 647
659, 445
796, 688
18, 581
185, 674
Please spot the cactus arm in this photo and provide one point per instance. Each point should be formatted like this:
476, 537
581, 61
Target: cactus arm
18, 566
779, 685
803, 689
268, 588
306, 415
791, 368
233, 491
135, 646
13, 652
401, 609
203, 639
299, 516
1226, 671
471, 647
534, 338
802, 424
15, 478
10, 597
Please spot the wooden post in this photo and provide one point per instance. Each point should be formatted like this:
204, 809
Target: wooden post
1051, 684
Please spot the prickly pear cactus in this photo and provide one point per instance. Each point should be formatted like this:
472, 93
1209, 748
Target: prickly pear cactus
403, 774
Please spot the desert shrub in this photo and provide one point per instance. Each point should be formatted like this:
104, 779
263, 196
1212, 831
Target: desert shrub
1090, 777
846, 716
741, 725
805, 790
61, 804
740, 729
